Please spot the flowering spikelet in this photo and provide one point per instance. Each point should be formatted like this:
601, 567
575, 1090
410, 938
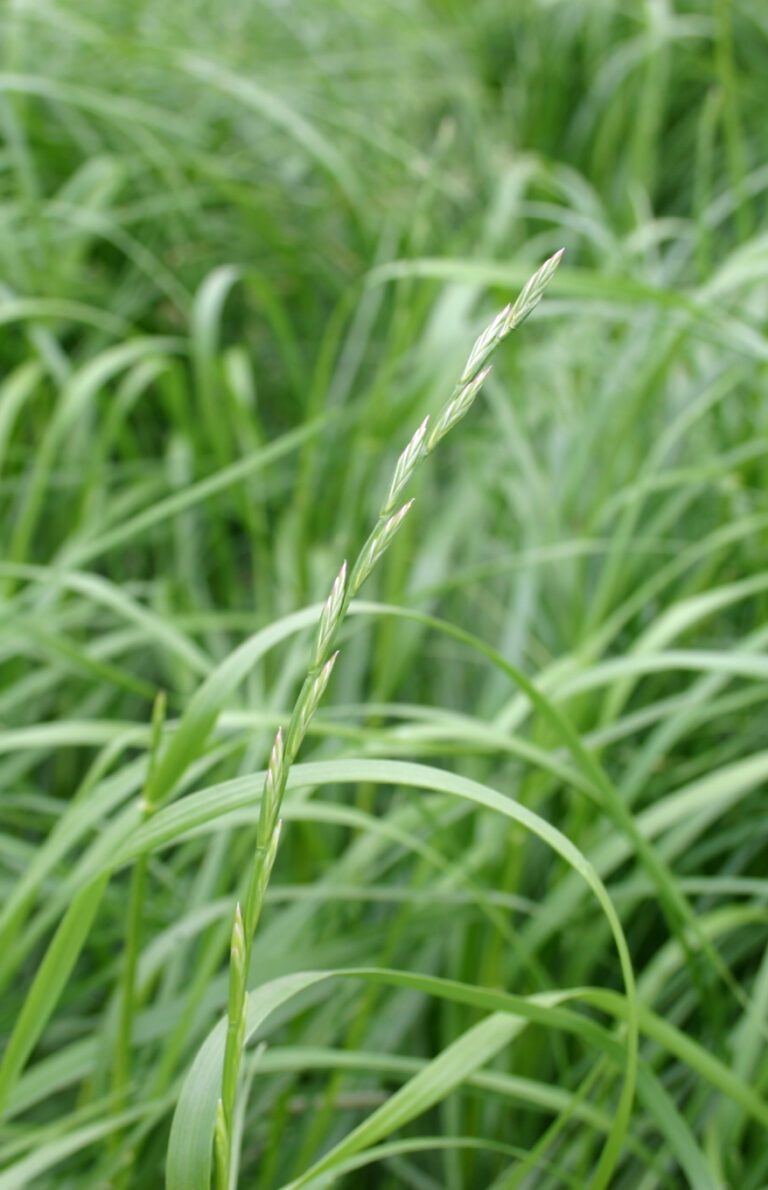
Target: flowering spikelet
257, 885
329, 617
312, 692
237, 965
532, 292
510, 317
232, 1056
484, 344
274, 783
375, 547
405, 467
456, 409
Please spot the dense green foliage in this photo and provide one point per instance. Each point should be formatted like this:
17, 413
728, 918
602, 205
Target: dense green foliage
244, 250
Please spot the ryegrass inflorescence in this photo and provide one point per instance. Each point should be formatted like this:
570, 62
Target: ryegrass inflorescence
512, 931
285, 749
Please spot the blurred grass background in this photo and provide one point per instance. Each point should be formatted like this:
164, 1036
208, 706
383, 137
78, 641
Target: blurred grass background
244, 250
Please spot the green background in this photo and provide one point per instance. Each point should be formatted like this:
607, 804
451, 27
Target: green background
244, 250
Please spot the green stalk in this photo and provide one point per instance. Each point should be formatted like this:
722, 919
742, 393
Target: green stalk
734, 136
127, 993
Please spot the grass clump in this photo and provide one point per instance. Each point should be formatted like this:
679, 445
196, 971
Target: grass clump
514, 933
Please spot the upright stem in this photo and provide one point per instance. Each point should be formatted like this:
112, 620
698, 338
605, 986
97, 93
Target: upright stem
734, 135
127, 994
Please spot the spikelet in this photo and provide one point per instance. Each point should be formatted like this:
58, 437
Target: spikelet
510, 317
405, 467
532, 292
377, 543
456, 409
257, 886
312, 691
330, 616
237, 967
274, 784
